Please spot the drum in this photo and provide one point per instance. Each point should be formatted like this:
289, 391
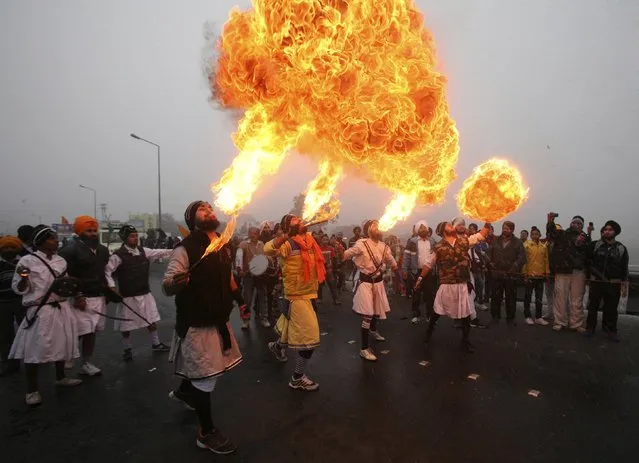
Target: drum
258, 265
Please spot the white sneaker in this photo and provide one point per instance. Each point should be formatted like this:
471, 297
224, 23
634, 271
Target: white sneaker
89, 369
416, 320
541, 321
245, 324
377, 337
265, 323
69, 364
529, 321
557, 327
367, 354
483, 307
33, 398
68, 382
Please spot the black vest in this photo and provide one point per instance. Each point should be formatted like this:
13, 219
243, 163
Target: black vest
86, 265
133, 273
207, 300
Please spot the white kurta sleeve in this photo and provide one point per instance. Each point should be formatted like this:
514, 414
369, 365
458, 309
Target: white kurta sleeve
353, 251
239, 258
179, 263
112, 266
156, 254
16, 278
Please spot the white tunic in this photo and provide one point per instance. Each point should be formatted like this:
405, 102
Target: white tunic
200, 354
53, 335
145, 304
370, 298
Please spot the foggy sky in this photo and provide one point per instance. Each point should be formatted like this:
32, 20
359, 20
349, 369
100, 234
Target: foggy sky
79, 76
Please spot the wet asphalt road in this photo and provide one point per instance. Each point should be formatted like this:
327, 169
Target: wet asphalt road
394, 410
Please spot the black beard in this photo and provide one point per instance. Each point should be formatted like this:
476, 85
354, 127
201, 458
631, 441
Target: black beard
92, 242
265, 236
208, 225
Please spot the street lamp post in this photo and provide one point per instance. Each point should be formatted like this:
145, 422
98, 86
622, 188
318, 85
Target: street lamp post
159, 177
95, 202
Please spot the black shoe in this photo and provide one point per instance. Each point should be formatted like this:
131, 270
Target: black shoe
127, 355
467, 347
183, 397
511, 322
477, 324
337, 302
160, 347
215, 442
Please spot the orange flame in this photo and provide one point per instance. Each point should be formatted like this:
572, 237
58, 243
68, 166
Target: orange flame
356, 79
494, 190
321, 190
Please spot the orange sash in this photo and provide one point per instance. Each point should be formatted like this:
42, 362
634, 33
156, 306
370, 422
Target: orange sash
307, 244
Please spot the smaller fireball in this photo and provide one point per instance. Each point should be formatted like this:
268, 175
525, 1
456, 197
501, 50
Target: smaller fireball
494, 190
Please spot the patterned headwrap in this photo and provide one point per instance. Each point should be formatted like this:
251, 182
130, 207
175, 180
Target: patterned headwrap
191, 212
10, 242
126, 230
83, 223
578, 218
441, 226
285, 223
367, 226
41, 234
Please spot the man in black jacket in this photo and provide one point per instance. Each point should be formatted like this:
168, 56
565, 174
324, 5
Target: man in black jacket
86, 259
507, 257
11, 309
568, 262
205, 347
609, 274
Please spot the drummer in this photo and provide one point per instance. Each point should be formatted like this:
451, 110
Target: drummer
251, 251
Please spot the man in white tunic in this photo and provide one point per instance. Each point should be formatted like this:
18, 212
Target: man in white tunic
371, 257
86, 259
129, 265
47, 333
453, 296
205, 347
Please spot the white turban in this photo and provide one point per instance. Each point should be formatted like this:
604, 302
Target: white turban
419, 224
458, 221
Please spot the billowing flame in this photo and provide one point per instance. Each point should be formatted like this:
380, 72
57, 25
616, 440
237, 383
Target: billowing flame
321, 190
397, 210
494, 190
355, 79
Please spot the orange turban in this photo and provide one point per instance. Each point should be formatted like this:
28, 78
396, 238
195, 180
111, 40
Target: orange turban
83, 222
10, 242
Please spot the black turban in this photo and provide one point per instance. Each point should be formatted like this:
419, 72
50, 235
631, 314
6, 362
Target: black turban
616, 227
25, 233
126, 230
191, 212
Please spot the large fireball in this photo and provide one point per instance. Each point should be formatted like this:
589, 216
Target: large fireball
494, 190
351, 83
